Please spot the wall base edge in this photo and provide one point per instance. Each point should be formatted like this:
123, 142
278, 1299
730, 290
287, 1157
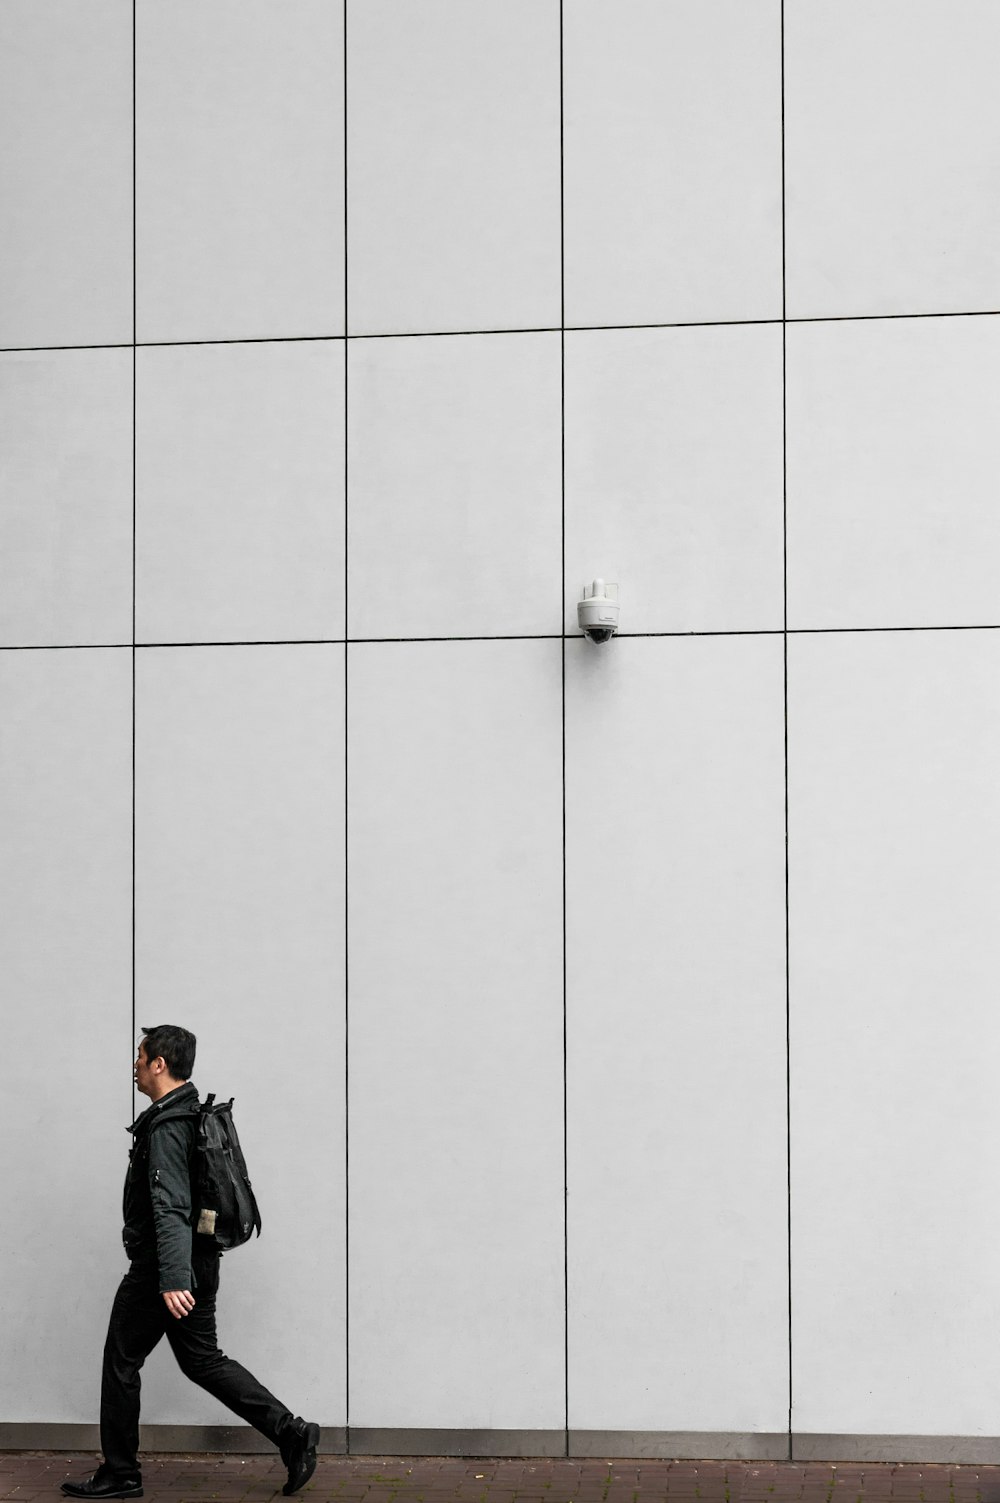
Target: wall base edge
238, 1440
959, 1450
687, 1445
681, 1445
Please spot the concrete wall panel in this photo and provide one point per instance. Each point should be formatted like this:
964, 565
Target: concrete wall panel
66, 172
66, 482
891, 138
453, 165
240, 492
239, 169
239, 936
674, 475
677, 1293
65, 959
894, 889
672, 160
456, 1056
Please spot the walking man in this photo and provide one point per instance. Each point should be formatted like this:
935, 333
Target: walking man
171, 1285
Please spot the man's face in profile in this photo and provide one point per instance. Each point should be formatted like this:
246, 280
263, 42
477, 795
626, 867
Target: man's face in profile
141, 1072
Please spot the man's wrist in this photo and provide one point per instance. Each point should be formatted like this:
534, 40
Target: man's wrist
182, 1281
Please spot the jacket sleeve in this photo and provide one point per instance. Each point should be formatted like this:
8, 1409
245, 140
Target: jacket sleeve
170, 1192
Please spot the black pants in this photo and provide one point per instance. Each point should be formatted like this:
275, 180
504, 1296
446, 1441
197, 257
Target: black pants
139, 1318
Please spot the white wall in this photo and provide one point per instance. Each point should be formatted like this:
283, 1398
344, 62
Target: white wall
572, 1106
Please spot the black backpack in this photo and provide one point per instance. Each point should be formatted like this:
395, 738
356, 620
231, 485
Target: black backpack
224, 1210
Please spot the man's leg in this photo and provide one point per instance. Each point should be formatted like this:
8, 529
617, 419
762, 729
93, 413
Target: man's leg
196, 1347
136, 1325
138, 1320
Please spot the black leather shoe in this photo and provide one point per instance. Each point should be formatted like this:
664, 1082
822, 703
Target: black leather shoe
104, 1484
298, 1452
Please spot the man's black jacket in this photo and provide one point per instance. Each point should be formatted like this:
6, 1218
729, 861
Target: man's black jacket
157, 1200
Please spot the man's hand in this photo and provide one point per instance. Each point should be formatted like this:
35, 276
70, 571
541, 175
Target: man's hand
179, 1302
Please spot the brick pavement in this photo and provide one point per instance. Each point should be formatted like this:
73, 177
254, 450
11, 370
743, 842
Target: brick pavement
26, 1476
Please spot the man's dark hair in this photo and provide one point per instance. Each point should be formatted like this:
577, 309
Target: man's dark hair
175, 1045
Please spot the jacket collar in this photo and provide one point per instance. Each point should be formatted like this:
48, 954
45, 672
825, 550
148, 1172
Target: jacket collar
184, 1097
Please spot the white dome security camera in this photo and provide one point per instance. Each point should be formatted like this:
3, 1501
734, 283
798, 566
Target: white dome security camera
597, 612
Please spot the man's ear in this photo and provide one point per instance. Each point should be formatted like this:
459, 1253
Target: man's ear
158, 1065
